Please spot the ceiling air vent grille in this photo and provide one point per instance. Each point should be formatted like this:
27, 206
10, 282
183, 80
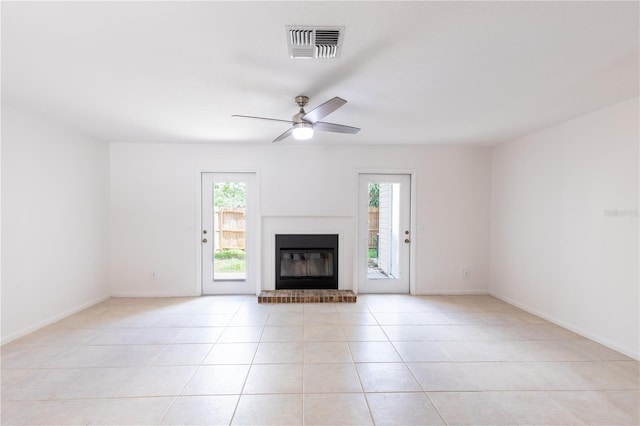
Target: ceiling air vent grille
314, 42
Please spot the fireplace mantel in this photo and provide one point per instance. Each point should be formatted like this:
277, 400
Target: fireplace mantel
343, 226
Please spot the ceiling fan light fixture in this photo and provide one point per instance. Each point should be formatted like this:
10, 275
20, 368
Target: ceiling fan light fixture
302, 131
303, 124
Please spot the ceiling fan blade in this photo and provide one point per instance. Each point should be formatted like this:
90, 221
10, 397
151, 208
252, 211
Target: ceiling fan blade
338, 128
284, 135
262, 118
319, 112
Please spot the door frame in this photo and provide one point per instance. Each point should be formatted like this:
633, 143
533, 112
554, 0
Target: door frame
413, 185
198, 207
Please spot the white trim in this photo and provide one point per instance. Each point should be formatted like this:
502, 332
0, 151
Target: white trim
52, 320
568, 326
144, 294
413, 203
413, 258
453, 293
197, 229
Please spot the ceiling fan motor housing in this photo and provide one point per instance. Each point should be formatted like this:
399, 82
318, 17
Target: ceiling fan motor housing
302, 102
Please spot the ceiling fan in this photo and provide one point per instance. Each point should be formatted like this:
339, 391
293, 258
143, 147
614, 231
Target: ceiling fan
304, 123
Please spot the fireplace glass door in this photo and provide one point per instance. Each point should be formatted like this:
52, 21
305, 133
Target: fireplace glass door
306, 264
306, 261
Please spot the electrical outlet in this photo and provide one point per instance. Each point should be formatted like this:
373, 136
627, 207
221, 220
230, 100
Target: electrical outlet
152, 276
466, 273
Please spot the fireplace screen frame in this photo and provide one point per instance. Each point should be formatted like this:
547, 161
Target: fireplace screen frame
306, 244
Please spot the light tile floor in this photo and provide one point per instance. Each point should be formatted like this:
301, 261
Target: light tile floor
388, 359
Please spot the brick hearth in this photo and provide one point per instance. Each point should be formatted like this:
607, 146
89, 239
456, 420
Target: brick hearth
307, 296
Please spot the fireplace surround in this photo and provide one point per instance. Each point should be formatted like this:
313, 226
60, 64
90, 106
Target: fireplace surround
306, 261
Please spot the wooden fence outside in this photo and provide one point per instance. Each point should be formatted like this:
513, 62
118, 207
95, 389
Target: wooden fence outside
374, 226
230, 229
230, 225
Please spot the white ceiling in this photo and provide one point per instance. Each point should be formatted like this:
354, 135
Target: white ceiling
474, 73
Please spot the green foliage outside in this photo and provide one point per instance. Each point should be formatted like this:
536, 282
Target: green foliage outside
229, 265
373, 253
229, 261
230, 254
374, 195
229, 195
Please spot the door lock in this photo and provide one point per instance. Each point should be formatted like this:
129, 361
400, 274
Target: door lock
204, 240
407, 240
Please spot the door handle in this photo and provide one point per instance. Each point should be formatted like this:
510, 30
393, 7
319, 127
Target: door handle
407, 240
204, 240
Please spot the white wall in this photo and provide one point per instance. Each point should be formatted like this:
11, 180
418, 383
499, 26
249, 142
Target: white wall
55, 203
155, 205
554, 249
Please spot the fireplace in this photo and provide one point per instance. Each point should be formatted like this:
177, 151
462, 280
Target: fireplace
306, 261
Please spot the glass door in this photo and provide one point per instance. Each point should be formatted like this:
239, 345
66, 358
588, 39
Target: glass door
228, 233
385, 235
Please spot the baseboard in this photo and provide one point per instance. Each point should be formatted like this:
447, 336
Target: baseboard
154, 295
568, 326
452, 293
13, 336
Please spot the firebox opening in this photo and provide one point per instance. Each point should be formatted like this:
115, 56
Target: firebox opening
306, 261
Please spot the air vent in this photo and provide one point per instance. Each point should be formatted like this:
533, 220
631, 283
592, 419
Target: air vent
314, 42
